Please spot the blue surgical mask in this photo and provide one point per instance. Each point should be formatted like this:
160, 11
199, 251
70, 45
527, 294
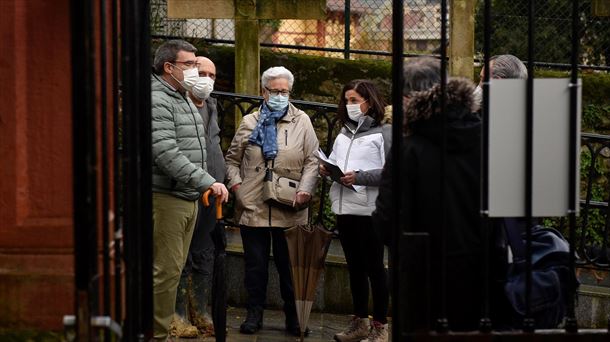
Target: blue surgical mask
277, 102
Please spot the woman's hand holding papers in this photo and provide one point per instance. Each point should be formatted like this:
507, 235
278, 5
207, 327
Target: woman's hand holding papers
322, 171
349, 178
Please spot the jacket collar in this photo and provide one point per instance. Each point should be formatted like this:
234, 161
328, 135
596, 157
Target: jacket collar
159, 84
363, 126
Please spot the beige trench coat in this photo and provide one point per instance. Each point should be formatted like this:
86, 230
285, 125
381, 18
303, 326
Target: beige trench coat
297, 142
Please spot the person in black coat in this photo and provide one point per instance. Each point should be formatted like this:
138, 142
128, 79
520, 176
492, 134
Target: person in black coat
423, 186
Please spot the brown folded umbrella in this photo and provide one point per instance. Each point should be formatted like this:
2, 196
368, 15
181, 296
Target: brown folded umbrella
307, 247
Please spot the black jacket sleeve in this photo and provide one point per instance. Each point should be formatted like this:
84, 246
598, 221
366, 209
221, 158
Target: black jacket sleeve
382, 216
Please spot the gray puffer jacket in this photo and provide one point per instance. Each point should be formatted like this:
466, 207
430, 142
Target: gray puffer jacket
178, 144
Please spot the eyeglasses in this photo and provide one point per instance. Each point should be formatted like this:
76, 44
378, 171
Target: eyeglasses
275, 92
189, 64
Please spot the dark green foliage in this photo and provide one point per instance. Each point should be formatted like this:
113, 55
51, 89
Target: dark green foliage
552, 29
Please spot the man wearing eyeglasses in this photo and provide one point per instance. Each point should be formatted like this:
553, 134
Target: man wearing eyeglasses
180, 174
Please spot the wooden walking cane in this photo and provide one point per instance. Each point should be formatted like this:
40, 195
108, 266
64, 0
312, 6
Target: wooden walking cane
206, 202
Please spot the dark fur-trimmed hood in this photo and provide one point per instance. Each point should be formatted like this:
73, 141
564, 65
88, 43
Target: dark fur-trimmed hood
423, 104
423, 115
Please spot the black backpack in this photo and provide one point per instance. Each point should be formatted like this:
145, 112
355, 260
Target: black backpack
551, 275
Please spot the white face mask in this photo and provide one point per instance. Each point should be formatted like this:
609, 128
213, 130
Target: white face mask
203, 88
478, 94
354, 112
191, 76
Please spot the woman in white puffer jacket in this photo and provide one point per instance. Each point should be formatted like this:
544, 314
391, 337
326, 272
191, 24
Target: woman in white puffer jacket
360, 151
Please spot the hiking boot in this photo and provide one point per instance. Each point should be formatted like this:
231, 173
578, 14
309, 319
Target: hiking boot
180, 327
198, 303
357, 330
182, 295
205, 325
253, 322
378, 333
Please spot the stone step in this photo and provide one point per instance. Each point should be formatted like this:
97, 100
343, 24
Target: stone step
333, 295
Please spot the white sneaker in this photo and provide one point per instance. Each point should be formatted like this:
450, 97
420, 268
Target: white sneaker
378, 333
357, 330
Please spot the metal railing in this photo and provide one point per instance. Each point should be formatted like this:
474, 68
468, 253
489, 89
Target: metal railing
592, 243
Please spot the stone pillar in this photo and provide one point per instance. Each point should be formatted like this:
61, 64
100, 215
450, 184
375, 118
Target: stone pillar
461, 38
601, 8
247, 59
247, 51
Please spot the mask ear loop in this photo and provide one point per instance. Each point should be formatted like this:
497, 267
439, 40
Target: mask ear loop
171, 73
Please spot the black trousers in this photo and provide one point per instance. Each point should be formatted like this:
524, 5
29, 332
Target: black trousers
257, 242
364, 255
201, 251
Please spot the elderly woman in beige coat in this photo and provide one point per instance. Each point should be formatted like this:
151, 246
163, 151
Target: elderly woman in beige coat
281, 137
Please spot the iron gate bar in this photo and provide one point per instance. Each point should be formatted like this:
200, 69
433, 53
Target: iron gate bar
571, 325
118, 178
104, 171
565, 66
442, 324
550, 335
137, 168
485, 323
397, 117
84, 165
347, 16
528, 322
296, 47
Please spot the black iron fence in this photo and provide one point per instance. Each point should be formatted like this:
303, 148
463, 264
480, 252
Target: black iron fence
592, 240
363, 29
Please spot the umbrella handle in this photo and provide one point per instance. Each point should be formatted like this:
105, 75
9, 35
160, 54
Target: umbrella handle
206, 203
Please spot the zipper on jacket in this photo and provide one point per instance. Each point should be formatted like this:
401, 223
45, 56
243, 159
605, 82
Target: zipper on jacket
197, 131
349, 148
286, 137
269, 205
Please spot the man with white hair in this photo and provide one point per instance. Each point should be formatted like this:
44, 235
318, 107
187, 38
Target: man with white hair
502, 67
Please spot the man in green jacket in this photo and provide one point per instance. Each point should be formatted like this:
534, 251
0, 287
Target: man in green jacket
179, 173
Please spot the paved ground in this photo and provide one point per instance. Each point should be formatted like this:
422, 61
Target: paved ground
323, 327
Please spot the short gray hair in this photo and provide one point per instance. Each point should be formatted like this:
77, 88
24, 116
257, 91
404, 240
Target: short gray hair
168, 51
421, 74
277, 72
507, 66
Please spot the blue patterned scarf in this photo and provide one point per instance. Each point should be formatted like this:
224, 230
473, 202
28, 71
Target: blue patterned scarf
265, 132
